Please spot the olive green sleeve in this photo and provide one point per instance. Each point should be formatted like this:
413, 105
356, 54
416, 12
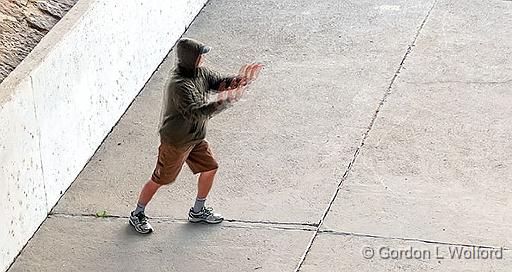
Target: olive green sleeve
194, 109
214, 79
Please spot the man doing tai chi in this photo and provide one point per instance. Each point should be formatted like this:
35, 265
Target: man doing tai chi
185, 114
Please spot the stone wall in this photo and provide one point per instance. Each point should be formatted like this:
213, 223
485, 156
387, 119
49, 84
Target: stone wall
23, 23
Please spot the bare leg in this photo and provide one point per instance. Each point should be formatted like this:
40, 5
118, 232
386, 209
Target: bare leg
138, 218
148, 191
198, 213
204, 183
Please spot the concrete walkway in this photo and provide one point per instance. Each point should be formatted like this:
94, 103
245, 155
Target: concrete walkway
379, 138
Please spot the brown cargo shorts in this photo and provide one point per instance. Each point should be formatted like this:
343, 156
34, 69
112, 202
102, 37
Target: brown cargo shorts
199, 158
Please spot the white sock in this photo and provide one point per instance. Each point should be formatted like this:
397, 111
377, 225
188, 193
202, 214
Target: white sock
199, 204
140, 208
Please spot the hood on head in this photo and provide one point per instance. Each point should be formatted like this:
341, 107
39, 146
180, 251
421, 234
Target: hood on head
187, 52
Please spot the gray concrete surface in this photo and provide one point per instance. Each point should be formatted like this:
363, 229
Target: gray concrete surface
427, 168
344, 252
437, 164
112, 245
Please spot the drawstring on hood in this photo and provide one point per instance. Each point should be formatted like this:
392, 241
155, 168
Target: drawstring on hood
188, 51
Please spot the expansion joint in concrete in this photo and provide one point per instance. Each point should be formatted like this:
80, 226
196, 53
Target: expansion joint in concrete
363, 235
232, 223
273, 222
365, 136
482, 82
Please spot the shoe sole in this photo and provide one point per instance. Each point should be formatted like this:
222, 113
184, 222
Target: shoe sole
137, 229
199, 220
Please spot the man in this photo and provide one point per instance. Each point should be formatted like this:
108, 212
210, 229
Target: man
185, 114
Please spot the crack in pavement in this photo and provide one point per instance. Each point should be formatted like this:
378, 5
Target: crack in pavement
365, 136
364, 235
273, 222
275, 225
237, 223
483, 82
269, 227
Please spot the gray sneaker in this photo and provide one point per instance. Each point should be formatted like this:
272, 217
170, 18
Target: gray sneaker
205, 215
140, 223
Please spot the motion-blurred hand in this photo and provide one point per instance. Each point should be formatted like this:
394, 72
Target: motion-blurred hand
233, 92
250, 72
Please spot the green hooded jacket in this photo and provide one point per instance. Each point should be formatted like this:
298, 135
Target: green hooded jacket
186, 109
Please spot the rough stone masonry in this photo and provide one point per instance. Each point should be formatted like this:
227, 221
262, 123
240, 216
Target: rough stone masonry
23, 23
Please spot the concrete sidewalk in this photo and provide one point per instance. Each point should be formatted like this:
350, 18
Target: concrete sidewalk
378, 138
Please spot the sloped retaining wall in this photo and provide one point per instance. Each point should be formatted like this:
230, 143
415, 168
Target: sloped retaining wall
58, 105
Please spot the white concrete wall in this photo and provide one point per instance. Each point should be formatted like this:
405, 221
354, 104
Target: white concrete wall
60, 103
